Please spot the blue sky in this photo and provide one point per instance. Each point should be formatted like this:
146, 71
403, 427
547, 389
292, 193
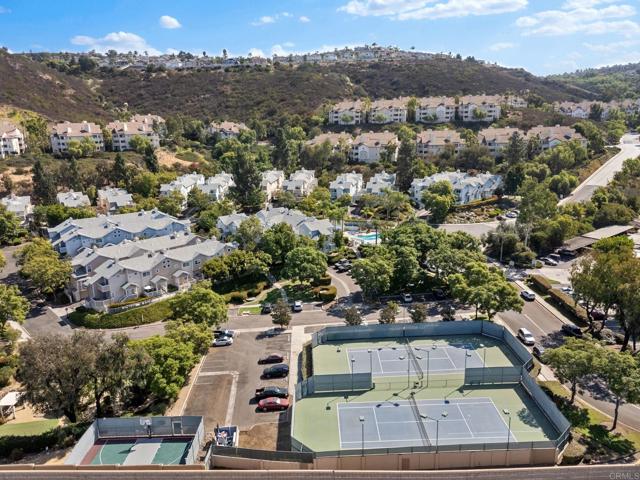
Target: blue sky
543, 36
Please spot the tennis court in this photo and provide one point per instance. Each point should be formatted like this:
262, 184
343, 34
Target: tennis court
427, 422
396, 360
138, 451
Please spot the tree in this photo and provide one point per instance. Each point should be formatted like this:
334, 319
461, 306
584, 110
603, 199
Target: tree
573, 361
538, 202
119, 172
151, 159
13, 306
621, 374
613, 214
405, 162
140, 144
44, 188
249, 233
248, 191
199, 335
563, 183
200, 305
516, 150
405, 267
145, 184
438, 198
3, 261
388, 313
41, 264
278, 241
281, 314
418, 313
373, 275
172, 203
305, 264
352, 316
71, 175
11, 230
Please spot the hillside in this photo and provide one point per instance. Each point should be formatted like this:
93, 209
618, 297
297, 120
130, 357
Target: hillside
30, 85
609, 83
263, 93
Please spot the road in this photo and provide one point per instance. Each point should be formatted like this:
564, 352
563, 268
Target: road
629, 148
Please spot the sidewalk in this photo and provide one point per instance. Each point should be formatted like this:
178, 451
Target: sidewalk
550, 308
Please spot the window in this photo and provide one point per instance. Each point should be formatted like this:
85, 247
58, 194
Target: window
186, 264
146, 274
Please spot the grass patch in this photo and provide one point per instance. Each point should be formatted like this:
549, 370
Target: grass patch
302, 292
36, 427
190, 156
250, 310
155, 312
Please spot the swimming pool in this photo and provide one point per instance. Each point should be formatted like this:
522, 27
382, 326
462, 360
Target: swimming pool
367, 237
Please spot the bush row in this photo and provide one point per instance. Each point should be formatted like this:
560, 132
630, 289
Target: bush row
156, 312
568, 305
240, 296
16, 445
326, 293
478, 203
541, 282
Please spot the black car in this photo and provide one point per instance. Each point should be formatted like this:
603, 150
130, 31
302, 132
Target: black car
571, 330
272, 358
276, 371
223, 333
266, 308
267, 392
538, 351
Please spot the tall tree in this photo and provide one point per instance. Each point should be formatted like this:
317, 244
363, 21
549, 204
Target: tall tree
200, 305
248, 190
119, 172
388, 313
305, 264
278, 241
516, 150
249, 233
621, 375
13, 306
281, 314
573, 362
352, 316
151, 159
44, 188
373, 275
405, 163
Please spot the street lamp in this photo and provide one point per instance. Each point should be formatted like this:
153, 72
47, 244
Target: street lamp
428, 358
401, 357
370, 362
484, 360
352, 367
362, 425
508, 414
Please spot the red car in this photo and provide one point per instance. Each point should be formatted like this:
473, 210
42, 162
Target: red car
273, 404
273, 358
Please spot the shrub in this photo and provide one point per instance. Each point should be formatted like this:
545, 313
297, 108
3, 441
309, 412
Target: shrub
541, 282
131, 301
54, 438
324, 281
327, 294
236, 297
567, 304
155, 312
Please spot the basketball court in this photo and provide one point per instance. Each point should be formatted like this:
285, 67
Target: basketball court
138, 451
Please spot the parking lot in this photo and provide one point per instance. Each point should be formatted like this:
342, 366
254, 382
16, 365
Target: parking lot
228, 378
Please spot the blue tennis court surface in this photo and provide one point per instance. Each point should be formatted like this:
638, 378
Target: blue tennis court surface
395, 361
395, 424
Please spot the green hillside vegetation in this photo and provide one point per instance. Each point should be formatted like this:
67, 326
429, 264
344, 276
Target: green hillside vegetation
609, 83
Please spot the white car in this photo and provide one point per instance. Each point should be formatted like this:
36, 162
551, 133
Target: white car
223, 342
407, 298
528, 295
297, 306
526, 337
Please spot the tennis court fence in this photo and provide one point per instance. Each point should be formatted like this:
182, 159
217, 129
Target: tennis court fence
339, 382
493, 375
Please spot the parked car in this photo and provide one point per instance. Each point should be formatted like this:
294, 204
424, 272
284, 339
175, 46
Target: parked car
526, 336
297, 306
598, 314
223, 333
528, 295
273, 404
511, 214
276, 371
222, 342
271, 391
266, 308
271, 358
571, 330
555, 256
538, 351
407, 298
550, 262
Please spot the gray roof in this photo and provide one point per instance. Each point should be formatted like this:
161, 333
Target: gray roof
73, 199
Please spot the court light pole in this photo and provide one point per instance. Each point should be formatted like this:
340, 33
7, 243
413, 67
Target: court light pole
508, 414
362, 425
352, 365
418, 357
484, 359
370, 361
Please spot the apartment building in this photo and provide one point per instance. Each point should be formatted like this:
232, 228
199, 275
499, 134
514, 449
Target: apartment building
301, 224
226, 129
514, 101
336, 140
367, 147
380, 182
72, 235
229, 224
113, 199
12, 140
466, 187
272, 182
183, 185
553, 136
21, 207
123, 132
479, 108
496, 139
389, 111
350, 184
579, 110
301, 183
434, 142
348, 112
73, 199
436, 110
218, 186
63, 133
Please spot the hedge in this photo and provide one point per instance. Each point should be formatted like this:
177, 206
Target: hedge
324, 281
541, 282
58, 437
156, 312
567, 304
477, 203
326, 294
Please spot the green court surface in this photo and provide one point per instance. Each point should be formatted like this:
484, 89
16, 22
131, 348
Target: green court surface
141, 451
171, 452
113, 452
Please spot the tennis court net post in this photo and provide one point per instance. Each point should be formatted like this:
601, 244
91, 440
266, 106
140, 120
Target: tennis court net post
414, 360
421, 428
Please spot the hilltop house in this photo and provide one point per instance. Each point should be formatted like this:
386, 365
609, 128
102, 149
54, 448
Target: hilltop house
348, 112
496, 139
367, 147
389, 111
20, 206
272, 181
226, 129
11, 140
63, 133
467, 188
380, 182
73, 199
72, 235
346, 184
140, 125
301, 183
479, 108
112, 199
434, 142
436, 110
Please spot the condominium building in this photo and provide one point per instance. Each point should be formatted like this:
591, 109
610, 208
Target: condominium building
301, 183
496, 139
380, 182
63, 133
553, 136
367, 147
436, 110
466, 187
139, 126
112, 199
73, 199
272, 182
21, 207
389, 111
346, 184
479, 108
348, 112
434, 142
336, 140
12, 140
226, 129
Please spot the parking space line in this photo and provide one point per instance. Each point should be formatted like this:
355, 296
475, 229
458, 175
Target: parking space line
193, 381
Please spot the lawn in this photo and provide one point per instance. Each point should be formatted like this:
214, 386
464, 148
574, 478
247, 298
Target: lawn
254, 310
154, 312
295, 292
28, 428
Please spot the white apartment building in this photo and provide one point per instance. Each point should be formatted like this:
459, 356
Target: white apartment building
229, 224
336, 140
12, 140
73, 199
380, 182
389, 111
21, 207
123, 132
367, 147
576, 110
346, 184
112, 199
434, 142
63, 133
73, 235
226, 129
496, 139
183, 185
301, 183
348, 112
553, 136
218, 186
479, 108
467, 188
272, 182
436, 110
301, 224
514, 101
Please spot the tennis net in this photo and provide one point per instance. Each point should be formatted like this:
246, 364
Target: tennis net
414, 360
421, 428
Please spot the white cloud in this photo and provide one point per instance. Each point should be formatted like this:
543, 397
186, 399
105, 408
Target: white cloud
267, 19
285, 14
169, 22
256, 52
612, 47
497, 47
118, 41
430, 9
289, 44
4, 10
582, 16
304, 19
